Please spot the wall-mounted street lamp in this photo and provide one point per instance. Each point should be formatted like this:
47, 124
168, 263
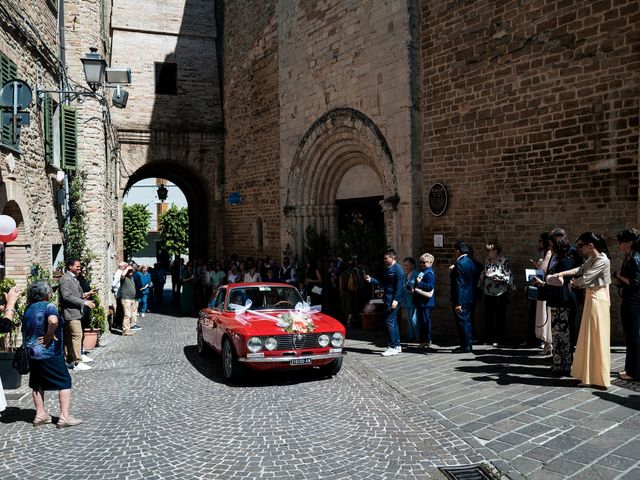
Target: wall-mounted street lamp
94, 66
162, 193
98, 75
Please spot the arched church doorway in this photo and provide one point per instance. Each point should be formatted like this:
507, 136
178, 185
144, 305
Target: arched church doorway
342, 179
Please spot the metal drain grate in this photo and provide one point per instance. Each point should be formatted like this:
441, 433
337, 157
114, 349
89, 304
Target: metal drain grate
467, 472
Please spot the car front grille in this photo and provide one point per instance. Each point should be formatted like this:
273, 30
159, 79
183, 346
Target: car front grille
296, 341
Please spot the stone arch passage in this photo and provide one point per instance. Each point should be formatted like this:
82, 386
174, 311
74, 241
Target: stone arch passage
337, 142
197, 196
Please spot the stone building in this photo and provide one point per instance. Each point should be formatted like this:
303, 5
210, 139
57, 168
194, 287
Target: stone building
41, 43
526, 112
172, 126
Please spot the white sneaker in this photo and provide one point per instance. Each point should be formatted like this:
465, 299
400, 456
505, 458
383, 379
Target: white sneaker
389, 352
86, 358
81, 367
142, 314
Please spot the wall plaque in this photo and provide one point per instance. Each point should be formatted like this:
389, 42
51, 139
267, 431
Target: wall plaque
438, 199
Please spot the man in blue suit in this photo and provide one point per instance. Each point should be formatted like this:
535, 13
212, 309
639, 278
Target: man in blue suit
393, 283
462, 275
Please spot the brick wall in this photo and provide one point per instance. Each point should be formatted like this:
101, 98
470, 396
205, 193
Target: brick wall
177, 137
252, 112
531, 120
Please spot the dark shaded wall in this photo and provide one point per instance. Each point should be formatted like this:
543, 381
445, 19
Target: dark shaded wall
252, 134
531, 121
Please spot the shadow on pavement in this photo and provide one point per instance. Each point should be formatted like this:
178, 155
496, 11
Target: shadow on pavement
633, 401
210, 367
14, 414
518, 374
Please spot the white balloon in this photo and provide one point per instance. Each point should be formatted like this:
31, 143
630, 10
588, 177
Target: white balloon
7, 224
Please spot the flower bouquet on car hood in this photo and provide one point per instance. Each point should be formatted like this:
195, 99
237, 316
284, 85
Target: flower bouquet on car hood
296, 321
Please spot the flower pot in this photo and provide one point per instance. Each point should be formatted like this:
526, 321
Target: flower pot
371, 321
90, 339
11, 379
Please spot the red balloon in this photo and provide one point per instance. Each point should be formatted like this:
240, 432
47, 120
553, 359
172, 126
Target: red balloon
10, 237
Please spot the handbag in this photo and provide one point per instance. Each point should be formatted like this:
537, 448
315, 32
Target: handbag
424, 293
533, 293
21, 360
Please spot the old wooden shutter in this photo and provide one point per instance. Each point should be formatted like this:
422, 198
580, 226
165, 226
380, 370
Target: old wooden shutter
8, 71
68, 138
49, 106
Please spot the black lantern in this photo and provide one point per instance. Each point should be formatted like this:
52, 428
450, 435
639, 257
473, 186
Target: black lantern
162, 193
93, 65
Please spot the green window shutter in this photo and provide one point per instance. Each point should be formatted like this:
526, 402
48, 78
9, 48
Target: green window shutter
68, 138
8, 71
48, 109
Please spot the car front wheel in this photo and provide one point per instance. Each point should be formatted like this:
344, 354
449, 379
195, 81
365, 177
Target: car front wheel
231, 367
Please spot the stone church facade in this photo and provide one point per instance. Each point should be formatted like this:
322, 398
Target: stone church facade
527, 113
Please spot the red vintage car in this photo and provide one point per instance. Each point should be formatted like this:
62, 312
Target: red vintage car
266, 326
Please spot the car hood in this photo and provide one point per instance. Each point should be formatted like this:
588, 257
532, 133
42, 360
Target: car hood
254, 324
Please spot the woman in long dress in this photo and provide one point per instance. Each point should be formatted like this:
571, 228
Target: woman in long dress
187, 298
629, 283
592, 359
561, 304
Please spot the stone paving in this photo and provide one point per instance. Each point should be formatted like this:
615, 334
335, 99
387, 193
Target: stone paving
154, 409
506, 400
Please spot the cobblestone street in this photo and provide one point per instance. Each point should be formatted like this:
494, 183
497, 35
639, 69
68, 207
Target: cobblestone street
154, 409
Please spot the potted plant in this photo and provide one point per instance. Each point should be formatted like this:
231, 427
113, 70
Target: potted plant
97, 325
9, 341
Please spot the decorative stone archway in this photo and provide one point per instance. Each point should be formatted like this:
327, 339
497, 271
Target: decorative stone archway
338, 141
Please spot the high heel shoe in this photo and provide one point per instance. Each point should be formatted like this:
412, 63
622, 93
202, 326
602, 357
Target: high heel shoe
41, 420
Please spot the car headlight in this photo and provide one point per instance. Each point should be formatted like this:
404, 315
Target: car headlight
337, 339
254, 344
323, 340
271, 343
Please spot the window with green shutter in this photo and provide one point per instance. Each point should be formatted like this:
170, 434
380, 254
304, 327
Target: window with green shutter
8, 71
49, 108
68, 138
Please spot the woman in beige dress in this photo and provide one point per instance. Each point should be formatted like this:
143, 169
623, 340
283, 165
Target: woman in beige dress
592, 359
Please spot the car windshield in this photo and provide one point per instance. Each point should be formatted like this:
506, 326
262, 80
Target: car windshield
265, 297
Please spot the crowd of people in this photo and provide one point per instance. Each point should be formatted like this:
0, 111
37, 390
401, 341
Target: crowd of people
571, 305
572, 298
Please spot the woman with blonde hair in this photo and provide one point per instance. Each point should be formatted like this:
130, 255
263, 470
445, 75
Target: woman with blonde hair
592, 359
424, 298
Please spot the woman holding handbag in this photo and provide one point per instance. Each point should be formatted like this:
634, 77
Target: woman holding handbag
424, 299
43, 328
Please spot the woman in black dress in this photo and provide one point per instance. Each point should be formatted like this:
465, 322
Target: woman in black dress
43, 329
561, 301
629, 283
6, 324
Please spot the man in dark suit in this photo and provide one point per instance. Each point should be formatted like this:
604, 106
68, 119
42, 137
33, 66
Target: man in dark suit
462, 286
393, 283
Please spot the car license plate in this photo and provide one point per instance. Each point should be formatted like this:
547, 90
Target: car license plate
300, 361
